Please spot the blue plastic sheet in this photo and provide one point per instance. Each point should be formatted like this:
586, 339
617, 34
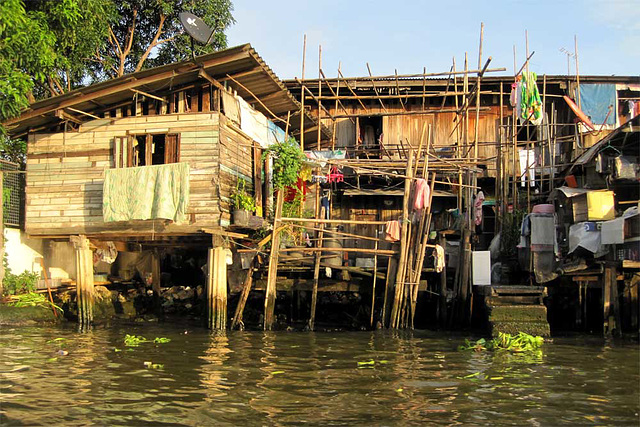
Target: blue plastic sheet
596, 99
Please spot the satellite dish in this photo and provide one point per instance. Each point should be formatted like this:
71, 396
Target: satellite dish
196, 28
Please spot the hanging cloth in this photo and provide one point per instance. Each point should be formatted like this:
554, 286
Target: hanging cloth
421, 194
438, 254
392, 231
530, 102
478, 207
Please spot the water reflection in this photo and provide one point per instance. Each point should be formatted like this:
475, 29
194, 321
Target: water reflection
384, 377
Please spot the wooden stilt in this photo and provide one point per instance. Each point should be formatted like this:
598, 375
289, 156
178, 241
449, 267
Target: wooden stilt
270, 297
316, 273
155, 281
217, 289
392, 266
442, 300
608, 282
404, 241
246, 288
375, 277
84, 279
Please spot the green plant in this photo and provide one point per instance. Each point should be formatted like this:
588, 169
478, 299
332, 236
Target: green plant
287, 162
510, 236
519, 343
241, 200
161, 340
18, 283
134, 340
32, 299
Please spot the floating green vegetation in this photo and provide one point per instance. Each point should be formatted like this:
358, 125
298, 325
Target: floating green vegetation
136, 340
153, 365
31, 299
519, 343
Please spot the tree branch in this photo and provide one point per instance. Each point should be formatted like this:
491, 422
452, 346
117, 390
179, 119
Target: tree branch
153, 44
115, 42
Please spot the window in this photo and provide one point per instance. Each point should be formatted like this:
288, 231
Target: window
146, 150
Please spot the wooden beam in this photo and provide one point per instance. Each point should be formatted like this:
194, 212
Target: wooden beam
83, 112
256, 98
148, 95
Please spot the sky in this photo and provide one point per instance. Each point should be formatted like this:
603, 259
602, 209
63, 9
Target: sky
407, 35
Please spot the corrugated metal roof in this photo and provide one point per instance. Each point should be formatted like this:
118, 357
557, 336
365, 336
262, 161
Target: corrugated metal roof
240, 62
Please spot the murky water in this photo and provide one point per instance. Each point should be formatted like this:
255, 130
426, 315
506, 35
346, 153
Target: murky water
255, 378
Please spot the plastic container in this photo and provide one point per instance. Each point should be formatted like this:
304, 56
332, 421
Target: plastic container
543, 209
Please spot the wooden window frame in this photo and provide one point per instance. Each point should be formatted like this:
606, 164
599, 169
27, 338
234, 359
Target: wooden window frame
123, 149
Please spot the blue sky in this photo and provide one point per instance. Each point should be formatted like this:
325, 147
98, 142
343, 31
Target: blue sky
409, 35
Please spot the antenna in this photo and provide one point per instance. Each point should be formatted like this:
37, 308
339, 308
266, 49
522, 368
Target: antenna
197, 30
569, 55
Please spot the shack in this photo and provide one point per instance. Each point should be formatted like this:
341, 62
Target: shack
408, 210
149, 161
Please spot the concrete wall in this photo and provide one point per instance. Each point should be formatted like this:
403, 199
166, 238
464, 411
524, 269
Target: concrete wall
21, 251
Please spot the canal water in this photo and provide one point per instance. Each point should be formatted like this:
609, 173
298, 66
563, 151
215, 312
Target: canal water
58, 376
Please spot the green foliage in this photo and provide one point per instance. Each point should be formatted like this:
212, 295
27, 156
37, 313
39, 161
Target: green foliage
157, 27
32, 299
287, 162
24, 282
13, 150
134, 340
241, 200
519, 343
510, 236
27, 55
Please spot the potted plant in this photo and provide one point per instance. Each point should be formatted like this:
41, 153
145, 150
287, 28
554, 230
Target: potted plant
243, 205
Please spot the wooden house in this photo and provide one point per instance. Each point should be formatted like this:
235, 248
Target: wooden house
174, 130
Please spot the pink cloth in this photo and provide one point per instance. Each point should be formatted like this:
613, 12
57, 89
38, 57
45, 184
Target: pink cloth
478, 207
392, 230
421, 194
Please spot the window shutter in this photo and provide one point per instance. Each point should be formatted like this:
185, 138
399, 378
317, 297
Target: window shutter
172, 148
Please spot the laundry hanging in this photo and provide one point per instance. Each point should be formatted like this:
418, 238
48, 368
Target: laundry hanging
392, 231
438, 254
478, 208
530, 101
421, 194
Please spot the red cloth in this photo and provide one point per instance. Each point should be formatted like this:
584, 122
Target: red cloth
290, 192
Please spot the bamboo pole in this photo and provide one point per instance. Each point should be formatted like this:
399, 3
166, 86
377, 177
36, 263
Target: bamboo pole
424, 234
304, 56
392, 264
353, 93
246, 289
375, 276
404, 240
381, 252
270, 297
375, 89
398, 89
475, 149
316, 274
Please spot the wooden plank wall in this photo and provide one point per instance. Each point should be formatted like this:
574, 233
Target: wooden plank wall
409, 127
65, 172
236, 163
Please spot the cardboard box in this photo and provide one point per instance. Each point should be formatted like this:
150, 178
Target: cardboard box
594, 206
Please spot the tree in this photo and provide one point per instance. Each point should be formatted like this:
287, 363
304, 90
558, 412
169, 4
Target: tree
27, 56
45, 47
140, 37
81, 29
